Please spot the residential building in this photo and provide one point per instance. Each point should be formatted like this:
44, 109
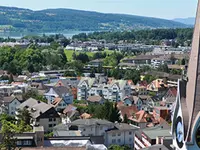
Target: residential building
118, 90
121, 134
59, 104
7, 90
91, 127
95, 100
142, 119
130, 100
114, 90
158, 86
61, 92
69, 112
96, 63
127, 111
161, 112
70, 82
42, 114
31, 139
10, 103
140, 60
161, 60
147, 137
84, 86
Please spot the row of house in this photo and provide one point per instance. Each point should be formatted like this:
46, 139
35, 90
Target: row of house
153, 60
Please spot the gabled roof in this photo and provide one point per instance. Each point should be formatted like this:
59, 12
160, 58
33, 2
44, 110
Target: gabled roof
142, 116
57, 101
35, 107
69, 108
89, 122
133, 99
67, 82
120, 83
89, 81
122, 127
128, 110
94, 98
7, 100
156, 85
157, 131
61, 90
85, 116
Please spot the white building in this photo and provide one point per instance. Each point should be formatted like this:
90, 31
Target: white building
121, 134
42, 114
91, 127
115, 91
9, 105
84, 86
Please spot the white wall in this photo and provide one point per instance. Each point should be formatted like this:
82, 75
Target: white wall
94, 130
12, 107
120, 137
45, 123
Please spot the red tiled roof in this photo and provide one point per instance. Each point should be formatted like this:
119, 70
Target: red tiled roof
94, 98
173, 91
56, 101
86, 116
142, 116
69, 108
128, 110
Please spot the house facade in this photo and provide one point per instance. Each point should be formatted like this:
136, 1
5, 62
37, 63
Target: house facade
42, 114
91, 127
121, 134
9, 105
61, 92
114, 91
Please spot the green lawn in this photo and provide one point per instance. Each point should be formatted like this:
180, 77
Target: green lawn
69, 53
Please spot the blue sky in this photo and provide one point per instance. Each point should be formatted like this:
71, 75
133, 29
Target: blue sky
168, 9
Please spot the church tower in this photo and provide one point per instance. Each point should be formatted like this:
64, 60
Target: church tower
186, 117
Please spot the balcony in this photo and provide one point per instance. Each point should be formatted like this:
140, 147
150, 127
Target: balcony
137, 147
139, 142
146, 142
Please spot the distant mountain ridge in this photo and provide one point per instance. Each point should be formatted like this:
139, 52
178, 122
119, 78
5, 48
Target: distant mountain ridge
188, 21
51, 20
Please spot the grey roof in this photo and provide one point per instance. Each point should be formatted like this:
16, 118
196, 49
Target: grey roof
120, 83
60, 127
60, 90
68, 82
94, 98
66, 133
156, 147
157, 131
88, 122
89, 81
35, 107
7, 100
124, 126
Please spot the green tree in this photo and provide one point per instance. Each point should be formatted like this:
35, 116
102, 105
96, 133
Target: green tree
115, 115
163, 68
24, 115
118, 147
125, 118
8, 132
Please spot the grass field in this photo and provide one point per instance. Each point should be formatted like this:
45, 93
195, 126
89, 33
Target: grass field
69, 53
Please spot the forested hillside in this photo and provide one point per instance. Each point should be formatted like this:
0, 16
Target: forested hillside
51, 20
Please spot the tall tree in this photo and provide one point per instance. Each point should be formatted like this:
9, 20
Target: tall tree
24, 115
115, 115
